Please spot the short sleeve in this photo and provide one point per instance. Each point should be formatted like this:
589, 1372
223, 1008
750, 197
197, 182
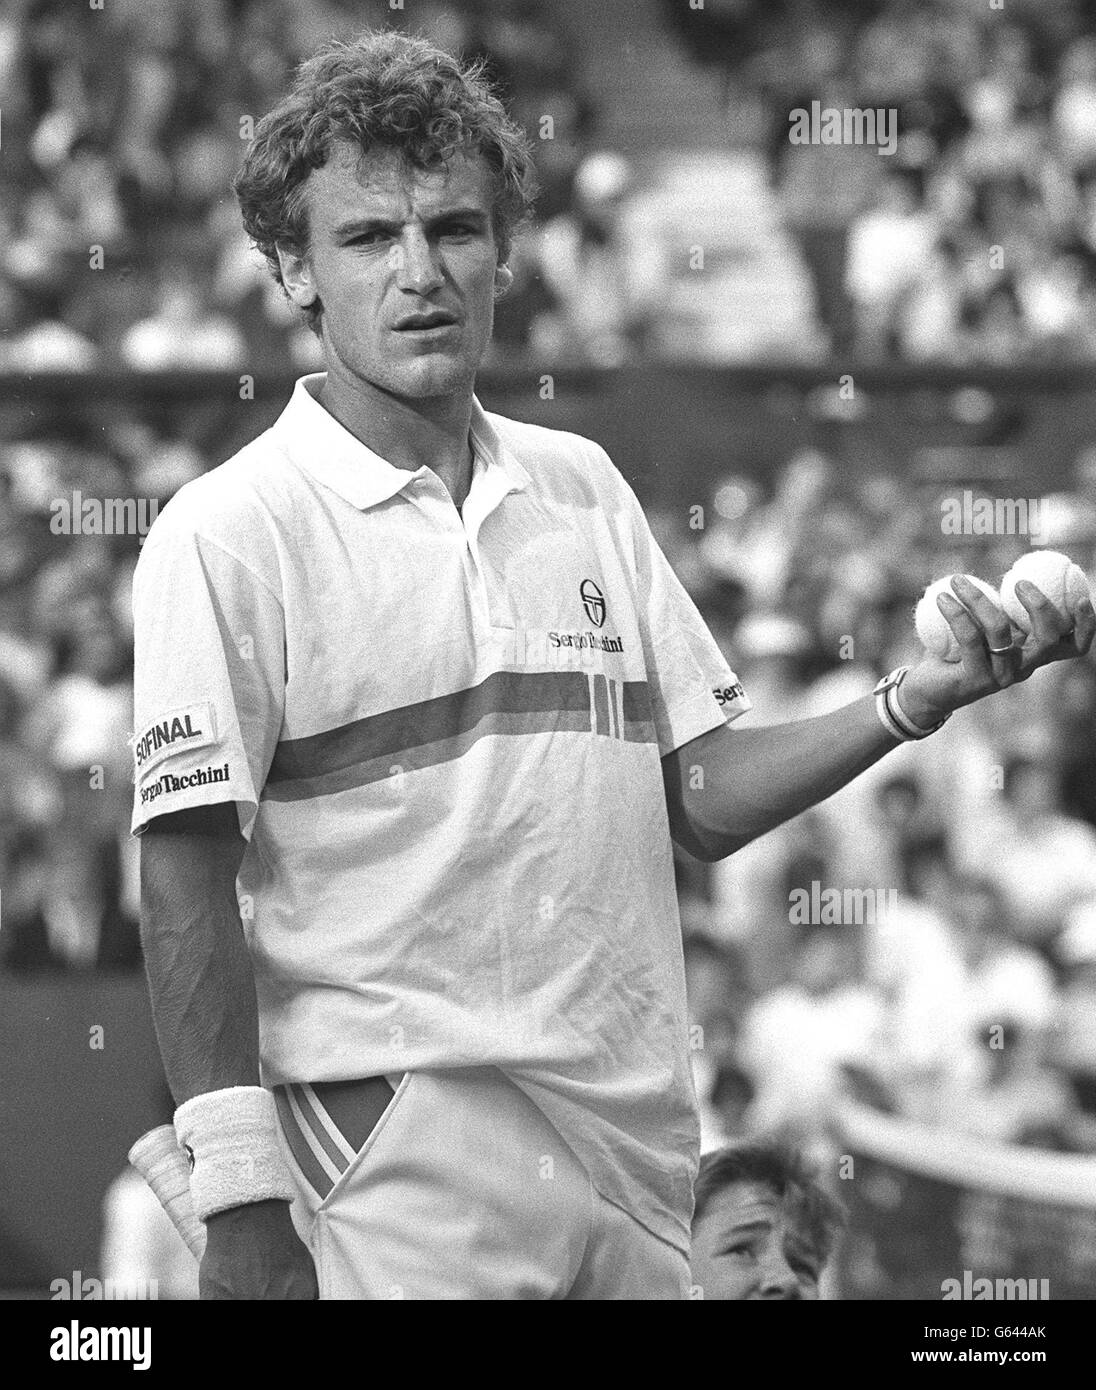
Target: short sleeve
692, 687
209, 677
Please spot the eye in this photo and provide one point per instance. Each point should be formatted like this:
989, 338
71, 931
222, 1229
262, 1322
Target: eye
740, 1249
372, 238
458, 229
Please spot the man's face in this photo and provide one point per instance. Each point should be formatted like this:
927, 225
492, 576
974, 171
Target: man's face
748, 1245
403, 261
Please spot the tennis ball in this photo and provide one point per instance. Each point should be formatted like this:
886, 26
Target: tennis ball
1052, 573
932, 627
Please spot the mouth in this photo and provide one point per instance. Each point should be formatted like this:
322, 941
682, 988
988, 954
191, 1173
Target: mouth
426, 322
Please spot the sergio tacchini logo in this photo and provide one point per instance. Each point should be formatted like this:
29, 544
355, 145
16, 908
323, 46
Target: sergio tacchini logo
593, 600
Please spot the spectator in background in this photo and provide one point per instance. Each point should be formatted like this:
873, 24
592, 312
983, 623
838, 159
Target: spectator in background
68, 915
1012, 1093
84, 720
36, 338
1042, 861
1052, 295
1004, 142
929, 328
796, 1039
72, 914
762, 541
1005, 978
182, 333
919, 1050
1073, 1030
1019, 1097
602, 270
716, 987
30, 803
902, 810
1073, 110
993, 328
823, 189
763, 1228
890, 252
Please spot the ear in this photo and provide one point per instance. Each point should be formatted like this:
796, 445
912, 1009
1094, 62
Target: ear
297, 277
504, 278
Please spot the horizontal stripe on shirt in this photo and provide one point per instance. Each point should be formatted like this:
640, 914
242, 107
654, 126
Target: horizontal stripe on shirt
442, 729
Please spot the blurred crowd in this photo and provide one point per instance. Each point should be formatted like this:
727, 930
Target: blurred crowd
975, 238
925, 940
123, 126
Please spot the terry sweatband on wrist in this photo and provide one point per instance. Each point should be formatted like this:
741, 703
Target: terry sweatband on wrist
231, 1141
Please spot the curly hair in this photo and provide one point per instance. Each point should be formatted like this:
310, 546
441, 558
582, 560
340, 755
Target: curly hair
786, 1174
386, 90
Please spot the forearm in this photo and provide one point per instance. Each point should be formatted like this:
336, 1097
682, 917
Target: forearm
204, 1008
742, 783
200, 977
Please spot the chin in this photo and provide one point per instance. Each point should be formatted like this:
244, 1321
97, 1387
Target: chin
433, 376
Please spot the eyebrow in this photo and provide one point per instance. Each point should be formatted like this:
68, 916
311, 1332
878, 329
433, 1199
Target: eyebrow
386, 224
745, 1228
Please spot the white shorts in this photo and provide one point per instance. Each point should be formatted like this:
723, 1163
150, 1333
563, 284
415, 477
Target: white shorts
460, 1190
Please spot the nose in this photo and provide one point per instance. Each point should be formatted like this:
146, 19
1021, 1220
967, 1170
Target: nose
778, 1279
417, 269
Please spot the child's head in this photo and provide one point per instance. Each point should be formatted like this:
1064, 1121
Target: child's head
763, 1226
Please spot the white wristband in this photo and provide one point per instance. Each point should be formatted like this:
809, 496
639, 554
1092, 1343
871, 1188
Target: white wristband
891, 714
232, 1143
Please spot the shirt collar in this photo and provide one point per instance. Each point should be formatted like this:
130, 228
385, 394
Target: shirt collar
317, 443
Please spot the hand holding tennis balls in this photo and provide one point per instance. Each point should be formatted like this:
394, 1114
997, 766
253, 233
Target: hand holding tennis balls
996, 640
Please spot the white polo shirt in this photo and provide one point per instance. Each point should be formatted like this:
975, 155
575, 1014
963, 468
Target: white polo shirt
442, 730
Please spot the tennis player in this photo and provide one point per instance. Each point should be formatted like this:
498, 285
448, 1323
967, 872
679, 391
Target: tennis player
419, 707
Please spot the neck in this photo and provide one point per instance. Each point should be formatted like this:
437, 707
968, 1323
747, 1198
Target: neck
411, 434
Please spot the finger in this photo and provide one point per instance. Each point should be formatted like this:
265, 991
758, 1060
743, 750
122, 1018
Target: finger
996, 629
1084, 622
1048, 626
969, 635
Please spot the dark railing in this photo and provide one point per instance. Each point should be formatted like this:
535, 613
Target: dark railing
672, 428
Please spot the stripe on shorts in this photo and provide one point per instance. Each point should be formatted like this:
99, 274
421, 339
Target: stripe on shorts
309, 1165
327, 1136
331, 1169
